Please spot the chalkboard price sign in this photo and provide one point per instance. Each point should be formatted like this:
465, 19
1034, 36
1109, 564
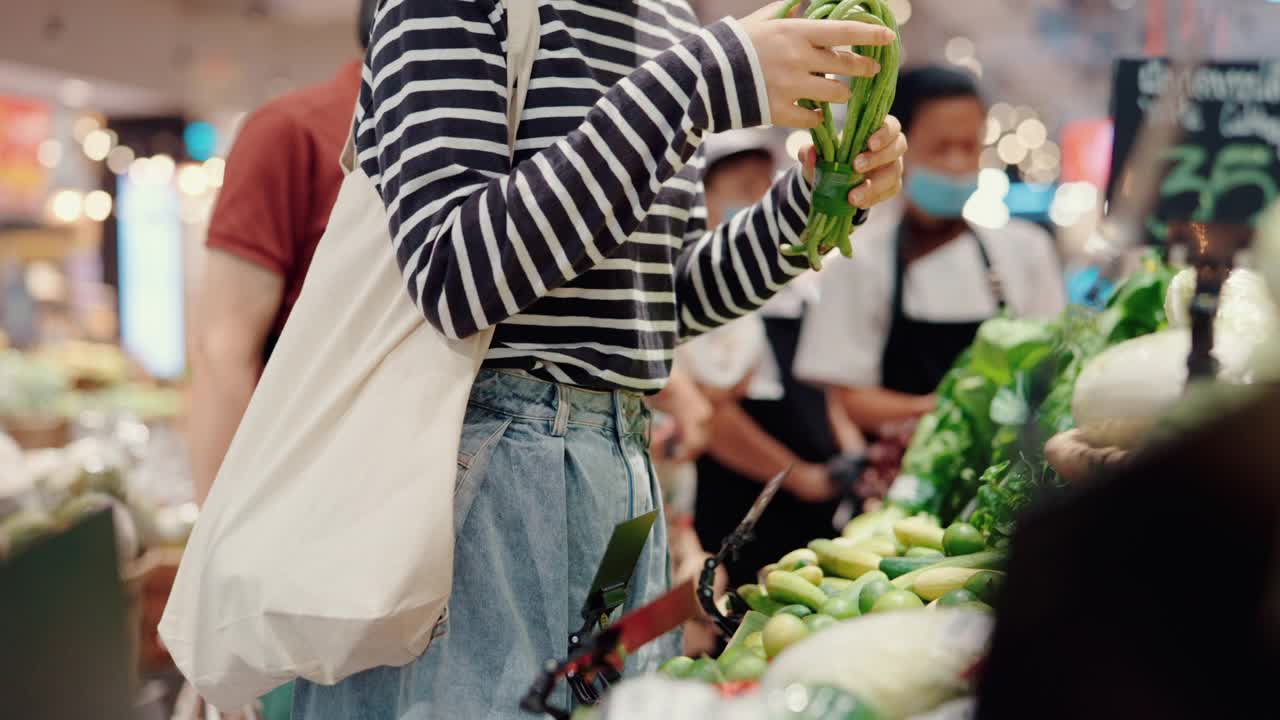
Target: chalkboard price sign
1225, 166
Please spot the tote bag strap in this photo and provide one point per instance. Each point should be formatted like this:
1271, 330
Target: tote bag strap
523, 36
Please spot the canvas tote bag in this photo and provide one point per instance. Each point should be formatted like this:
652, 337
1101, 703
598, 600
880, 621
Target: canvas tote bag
326, 545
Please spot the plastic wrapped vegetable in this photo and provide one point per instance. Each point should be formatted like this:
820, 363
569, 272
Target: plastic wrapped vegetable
653, 696
901, 663
831, 218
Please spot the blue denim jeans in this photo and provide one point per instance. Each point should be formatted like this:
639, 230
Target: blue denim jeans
545, 472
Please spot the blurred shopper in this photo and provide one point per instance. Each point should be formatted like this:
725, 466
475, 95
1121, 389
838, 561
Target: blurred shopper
896, 316
679, 433
282, 179
590, 255
281, 182
764, 419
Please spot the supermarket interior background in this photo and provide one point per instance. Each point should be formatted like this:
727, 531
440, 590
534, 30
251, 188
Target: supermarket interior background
100, 99
116, 121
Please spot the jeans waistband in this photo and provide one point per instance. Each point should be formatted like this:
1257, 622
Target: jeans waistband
519, 394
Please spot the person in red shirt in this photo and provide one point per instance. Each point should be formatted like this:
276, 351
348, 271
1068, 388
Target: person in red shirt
281, 182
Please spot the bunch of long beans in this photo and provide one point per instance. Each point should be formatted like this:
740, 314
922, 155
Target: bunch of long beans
831, 218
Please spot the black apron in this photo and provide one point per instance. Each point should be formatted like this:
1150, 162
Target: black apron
799, 422
918, 353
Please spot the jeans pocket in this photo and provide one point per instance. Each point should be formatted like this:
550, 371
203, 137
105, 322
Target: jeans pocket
481, 432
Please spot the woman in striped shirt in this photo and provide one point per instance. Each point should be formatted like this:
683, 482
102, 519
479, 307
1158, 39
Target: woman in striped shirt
591, 255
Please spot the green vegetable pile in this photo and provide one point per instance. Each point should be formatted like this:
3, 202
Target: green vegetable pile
883, 562
831, 216
979, 456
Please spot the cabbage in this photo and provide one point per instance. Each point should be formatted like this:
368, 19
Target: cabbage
1123, 391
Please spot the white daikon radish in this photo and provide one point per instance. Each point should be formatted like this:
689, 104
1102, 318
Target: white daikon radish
1123, 391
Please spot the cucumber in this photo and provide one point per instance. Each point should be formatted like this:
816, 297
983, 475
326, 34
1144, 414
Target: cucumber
800, 611
790, 588
936, 582
811, 573
956, 597
896, 600
757, 598
752, 623
834, 586
855, 590
747, 667
924, 552
704, 669
678, 667
919, 532
845, 562
985, 560
896, 567
882, 546
764, 572
872, 593
782, 631
868, 525
823, 546
798, 559
963, 539
842, 607
986, 586
818, 622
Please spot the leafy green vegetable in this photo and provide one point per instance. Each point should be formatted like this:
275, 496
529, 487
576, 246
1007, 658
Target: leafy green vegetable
938, 451
1136, 307
1005, 347
981, 451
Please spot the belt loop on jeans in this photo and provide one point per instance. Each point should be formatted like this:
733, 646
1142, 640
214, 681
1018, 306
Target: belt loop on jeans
619, 414
563, 404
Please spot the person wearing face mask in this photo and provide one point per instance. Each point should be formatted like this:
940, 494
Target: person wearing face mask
895, 316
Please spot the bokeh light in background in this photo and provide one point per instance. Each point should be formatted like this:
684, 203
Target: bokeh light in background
215, 168
1011, 149
97, 205
901, 10
66, 206
49, 154
97, 145
1072, 202
1032, 133
120, 158
84, 125
192, 179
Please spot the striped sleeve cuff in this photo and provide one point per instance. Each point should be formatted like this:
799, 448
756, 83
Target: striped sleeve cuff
793, 214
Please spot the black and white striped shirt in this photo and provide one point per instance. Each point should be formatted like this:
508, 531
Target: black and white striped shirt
592, 254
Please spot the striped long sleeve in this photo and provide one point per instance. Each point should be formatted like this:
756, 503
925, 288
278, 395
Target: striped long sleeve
479, 240
729, 271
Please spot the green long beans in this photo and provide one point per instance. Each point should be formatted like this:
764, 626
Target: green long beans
831, 217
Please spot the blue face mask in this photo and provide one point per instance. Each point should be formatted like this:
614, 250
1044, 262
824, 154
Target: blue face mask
938, 195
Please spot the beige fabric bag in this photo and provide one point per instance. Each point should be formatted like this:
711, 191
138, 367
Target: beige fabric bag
326, 545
